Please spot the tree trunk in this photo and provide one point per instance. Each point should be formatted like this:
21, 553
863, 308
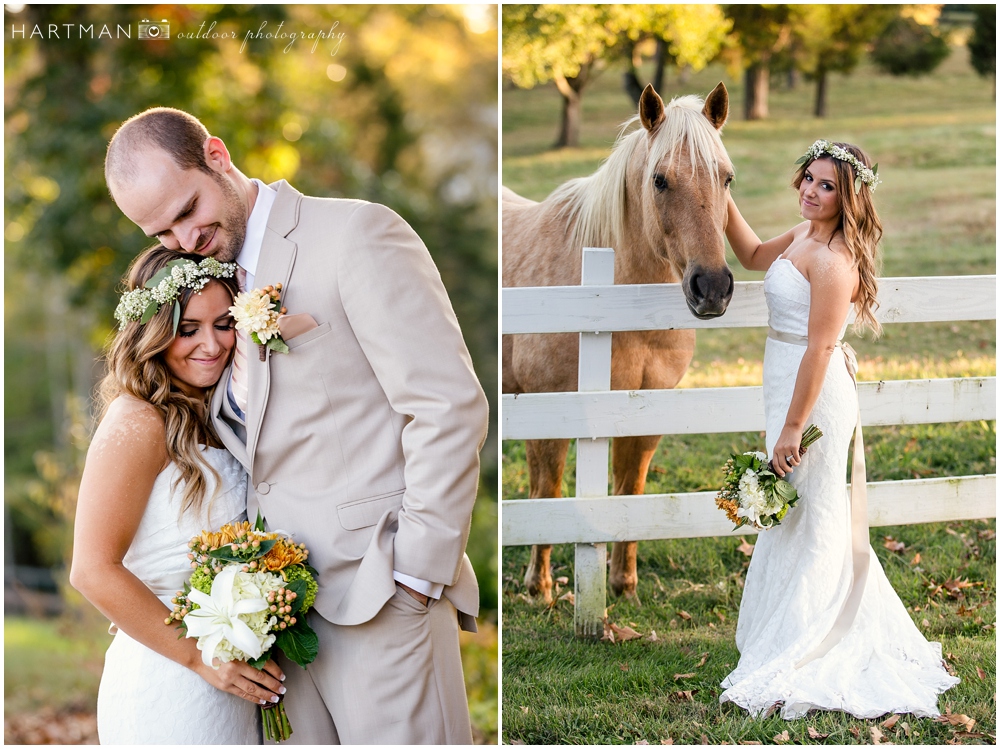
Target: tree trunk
659, 74
756, 83
630, 78
820, 109
572, 114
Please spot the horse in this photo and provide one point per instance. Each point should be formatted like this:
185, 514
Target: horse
660, 200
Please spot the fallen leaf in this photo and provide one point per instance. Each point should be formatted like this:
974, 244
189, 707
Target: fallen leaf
876, 735
893, 545
704, 739
524, 708
782, 738
916, 558
562, 580
890, 722
980, 673
642, 742
987, 535
673, 623
957, 719
652, 637
906, 729
925, 623
684, 615
955, 587
704, 657
855, 732
685, 696
667, 741
814, 734
568, 596
624, 634
744, 547
682, 676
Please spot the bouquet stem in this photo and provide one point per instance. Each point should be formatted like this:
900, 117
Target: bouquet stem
809, 436
276, 725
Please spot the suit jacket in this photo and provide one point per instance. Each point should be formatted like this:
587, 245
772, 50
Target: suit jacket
363, 441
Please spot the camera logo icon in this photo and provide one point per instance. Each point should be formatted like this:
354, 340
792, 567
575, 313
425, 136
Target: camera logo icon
149, 30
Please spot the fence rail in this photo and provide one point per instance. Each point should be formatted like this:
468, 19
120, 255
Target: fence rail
597, 308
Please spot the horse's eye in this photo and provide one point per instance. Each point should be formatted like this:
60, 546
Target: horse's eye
729, 180
660, 182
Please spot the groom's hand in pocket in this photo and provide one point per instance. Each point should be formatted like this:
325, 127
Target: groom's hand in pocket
418, 597
245, 681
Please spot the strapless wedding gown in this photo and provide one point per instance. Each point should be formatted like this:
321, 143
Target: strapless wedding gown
801, 571
145, 698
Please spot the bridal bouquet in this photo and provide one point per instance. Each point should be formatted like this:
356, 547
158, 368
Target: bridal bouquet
249, 593
753, 493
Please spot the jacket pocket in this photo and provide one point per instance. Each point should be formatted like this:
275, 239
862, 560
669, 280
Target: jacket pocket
364, 512
309, 335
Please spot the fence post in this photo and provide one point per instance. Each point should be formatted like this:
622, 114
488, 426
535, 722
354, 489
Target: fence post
591, 564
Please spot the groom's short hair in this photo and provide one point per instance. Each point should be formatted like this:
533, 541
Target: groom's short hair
178, 133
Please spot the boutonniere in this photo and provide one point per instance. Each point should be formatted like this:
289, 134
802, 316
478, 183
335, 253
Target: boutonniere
256, 312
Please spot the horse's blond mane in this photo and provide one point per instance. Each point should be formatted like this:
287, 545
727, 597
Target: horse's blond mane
595, 205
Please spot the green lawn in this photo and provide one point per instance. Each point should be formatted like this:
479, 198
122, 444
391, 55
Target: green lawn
934, 138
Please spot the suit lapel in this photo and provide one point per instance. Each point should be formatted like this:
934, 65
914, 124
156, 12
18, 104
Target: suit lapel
277, 255
223, 418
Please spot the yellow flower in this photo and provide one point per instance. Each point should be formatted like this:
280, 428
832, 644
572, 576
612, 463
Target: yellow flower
282, 554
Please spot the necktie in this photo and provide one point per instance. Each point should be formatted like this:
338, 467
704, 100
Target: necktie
239, 375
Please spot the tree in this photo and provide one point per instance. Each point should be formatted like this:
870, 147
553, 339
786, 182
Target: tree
688, 36
908, 47
832, 38
762, 34
983, 43
560, 43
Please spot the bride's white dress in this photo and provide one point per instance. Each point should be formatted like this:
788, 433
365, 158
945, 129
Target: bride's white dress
145, 698
801, 571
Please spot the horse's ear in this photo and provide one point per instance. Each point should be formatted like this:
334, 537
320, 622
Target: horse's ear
717, 106
650, 108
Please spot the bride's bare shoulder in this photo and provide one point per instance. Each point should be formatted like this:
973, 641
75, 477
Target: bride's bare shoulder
130, 423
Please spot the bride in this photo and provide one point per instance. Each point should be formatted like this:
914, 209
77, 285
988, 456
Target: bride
156, 475
820, 627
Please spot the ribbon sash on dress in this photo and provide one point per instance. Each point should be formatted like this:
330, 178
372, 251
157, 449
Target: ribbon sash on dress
859, 515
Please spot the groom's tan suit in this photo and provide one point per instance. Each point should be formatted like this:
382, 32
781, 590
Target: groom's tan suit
363, 442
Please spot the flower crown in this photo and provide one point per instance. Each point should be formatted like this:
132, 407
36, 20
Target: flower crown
165, 288
864, 174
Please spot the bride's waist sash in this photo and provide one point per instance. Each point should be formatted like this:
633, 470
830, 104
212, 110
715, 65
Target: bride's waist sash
800, 340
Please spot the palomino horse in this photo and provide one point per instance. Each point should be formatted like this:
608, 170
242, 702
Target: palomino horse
660, 200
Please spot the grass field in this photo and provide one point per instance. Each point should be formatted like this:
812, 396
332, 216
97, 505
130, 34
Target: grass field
52, 668
934, 138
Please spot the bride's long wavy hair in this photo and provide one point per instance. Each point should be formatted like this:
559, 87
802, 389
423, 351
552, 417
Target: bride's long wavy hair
136, 367
862, 232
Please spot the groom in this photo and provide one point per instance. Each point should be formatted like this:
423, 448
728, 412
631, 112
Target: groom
362, 440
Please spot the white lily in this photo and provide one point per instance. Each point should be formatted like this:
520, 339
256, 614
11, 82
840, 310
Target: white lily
218, 618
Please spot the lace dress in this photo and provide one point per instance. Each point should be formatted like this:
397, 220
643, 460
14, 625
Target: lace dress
801, 571
145, 698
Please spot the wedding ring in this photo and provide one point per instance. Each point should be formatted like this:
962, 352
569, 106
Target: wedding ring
788, 458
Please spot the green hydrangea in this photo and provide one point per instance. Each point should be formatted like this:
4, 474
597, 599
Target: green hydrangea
298, 572
201, 579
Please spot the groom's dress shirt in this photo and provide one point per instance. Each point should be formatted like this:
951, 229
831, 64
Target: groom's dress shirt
247, 260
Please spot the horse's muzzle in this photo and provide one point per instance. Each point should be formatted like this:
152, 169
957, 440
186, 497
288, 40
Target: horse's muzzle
708, 292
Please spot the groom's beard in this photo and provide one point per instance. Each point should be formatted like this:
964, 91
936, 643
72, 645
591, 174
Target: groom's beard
233, 225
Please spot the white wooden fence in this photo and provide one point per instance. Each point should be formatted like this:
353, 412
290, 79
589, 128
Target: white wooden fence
597, 308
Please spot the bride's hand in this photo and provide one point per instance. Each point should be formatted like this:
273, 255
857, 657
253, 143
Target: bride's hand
786, 451
245, 681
